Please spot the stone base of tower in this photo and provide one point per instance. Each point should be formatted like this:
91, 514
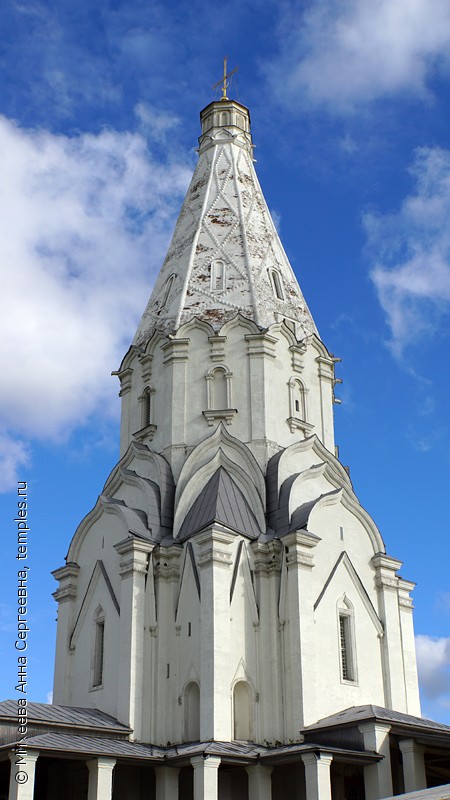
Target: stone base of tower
366, 753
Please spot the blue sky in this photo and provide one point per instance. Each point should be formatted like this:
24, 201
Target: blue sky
98, 126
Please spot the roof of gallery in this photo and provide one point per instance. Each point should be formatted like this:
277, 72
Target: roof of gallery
225, 256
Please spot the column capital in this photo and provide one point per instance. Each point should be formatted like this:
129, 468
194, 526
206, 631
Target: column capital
299, 545
101, 762
67, 577
206, 761
214, 544
267, 557
134, 554
313, 758
367, 728
30, 756
410, 746
166, 561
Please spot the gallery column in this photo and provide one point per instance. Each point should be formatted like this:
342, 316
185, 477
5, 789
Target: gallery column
206, 777
100, 778
317, 775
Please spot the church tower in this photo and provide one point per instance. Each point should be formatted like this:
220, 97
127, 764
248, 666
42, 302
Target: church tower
228, 587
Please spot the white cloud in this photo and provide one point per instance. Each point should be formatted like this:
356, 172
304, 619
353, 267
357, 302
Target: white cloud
84, 224
410, 252
433, 663
347, 53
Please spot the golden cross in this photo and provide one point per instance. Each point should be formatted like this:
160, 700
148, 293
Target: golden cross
223, 80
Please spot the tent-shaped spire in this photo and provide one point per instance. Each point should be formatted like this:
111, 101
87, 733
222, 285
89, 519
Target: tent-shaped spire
225, 256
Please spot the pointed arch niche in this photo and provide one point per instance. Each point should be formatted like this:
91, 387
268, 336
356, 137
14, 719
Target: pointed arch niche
219, 395
298, 407
192, 712
242, 711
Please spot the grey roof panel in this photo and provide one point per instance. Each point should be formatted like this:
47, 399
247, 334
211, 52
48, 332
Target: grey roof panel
118, 748
222, 501
63, 715
357, 714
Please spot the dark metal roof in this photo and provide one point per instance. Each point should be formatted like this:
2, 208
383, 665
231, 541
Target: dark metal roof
64, 716
220, 501
435, 793
356, 714
90, 745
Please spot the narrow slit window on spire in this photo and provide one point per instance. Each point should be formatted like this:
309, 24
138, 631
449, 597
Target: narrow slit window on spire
217, 276
347, 642
99, 644
277, 286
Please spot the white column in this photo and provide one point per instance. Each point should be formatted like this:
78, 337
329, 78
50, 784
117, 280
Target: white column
392, 646
166, 783
23, 768
215, 704
317, 776
100, 778
377, 777
133, 569
259, 782
206, 777
301, 693
413, 765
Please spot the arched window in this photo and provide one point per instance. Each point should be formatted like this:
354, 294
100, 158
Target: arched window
346, 634
277, 284
98, 649
224, 118
297, 407
192, 712
217, 275
146, 407
242, 712
219, 395
219, 390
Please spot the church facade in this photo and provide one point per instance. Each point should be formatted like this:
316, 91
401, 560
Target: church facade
229, 623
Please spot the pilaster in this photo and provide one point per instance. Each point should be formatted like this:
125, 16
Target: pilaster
377, 777
301, 700
100, 778
414, 774
261, 351
387, 584
409, 647
206, 777
326, 384
175, 363
133, 570
214, 561
166, 575
267, 568
23, 770
317, 775
65, 596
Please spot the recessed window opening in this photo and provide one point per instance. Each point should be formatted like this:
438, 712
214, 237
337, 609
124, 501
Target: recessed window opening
219, 389
168, 671
147, 408
347, 668
189, 629
297, 405
166, 292
99, 652
217, 276
277, 285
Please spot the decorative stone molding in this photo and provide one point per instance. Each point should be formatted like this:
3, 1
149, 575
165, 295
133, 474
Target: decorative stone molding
175, 350
67, 577
326, 367
261, 344
125, 376
212, 551
300, 424
385, 569
404, 589
267, 557
225, 414
146, 364
298, 546
134, 554
297, 351
167, 563
217, 347
145, 433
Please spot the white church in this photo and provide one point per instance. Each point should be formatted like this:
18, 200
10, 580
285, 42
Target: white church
230, 625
